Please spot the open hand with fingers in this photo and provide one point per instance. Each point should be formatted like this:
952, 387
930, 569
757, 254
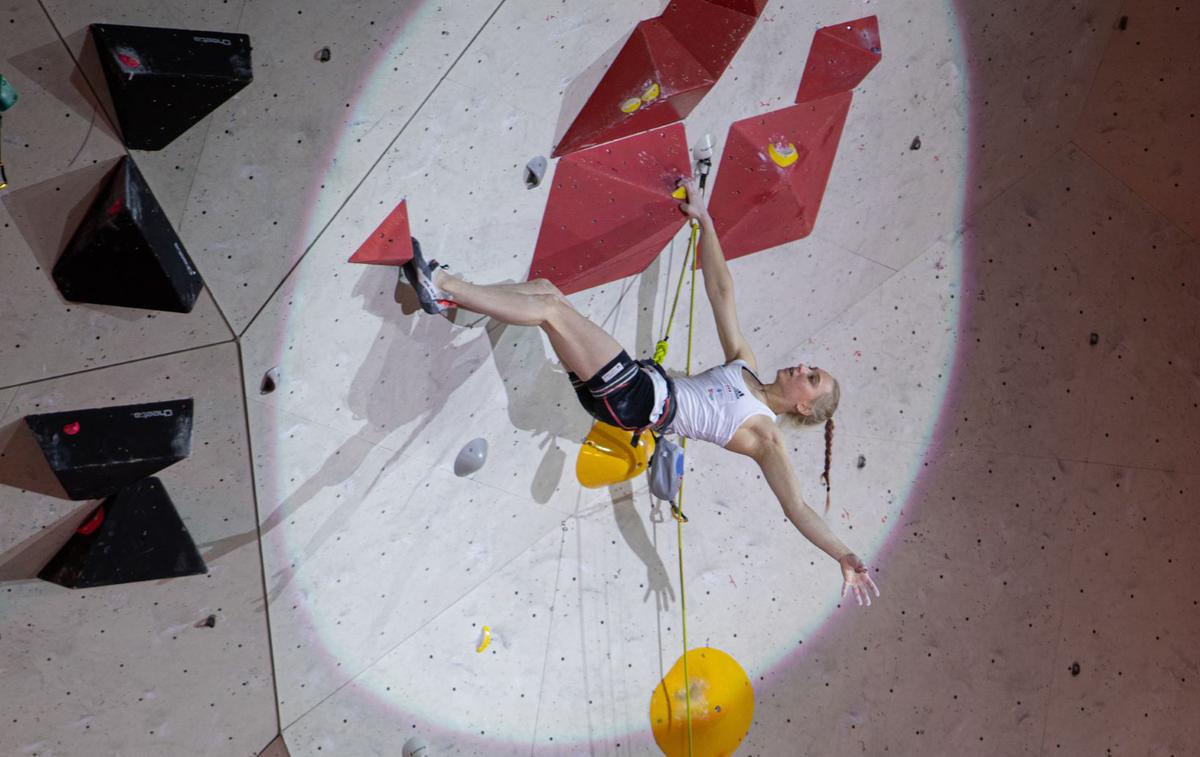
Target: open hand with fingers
856, 576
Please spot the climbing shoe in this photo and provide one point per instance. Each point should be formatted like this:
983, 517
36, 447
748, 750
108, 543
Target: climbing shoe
420, 276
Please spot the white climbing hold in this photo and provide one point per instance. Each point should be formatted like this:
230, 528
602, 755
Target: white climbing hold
471, 457
535, 170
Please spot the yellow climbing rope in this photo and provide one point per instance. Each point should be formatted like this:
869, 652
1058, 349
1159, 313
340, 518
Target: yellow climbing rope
660, 353
660, 349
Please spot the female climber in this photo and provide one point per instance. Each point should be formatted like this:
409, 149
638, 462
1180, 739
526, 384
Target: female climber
728, 405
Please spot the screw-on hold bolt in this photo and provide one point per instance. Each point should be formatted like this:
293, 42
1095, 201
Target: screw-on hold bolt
211, 621
1074, 668
862, 462
916, 144
324, 55
1094, 339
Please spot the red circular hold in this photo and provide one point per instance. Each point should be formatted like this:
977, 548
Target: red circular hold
71, 429
93, 522
128, 61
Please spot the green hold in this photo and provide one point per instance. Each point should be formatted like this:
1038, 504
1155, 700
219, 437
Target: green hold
8, 95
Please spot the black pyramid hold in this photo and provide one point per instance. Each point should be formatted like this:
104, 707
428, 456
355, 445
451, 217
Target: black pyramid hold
95, 453
162, 81
126, 253
134, 535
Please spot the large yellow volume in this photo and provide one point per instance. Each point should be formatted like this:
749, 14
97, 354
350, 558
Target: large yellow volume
722, 706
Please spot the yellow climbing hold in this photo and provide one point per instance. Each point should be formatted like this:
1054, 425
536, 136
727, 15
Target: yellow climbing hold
608, 456
783, 154
651, 93
487, 639
680, 193
722, 706
631, 105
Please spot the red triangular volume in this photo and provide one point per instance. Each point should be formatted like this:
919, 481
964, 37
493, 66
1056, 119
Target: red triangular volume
610, 211
747, 7
773, 174
712, 30
841, 56
391, 243
653, 81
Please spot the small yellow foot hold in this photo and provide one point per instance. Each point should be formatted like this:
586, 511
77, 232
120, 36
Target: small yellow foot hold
783, 154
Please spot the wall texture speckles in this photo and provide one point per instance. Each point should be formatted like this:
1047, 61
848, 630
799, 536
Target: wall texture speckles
1144, 110
1011, 308
137, 667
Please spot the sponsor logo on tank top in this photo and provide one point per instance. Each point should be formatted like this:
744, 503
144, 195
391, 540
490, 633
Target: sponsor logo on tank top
725, 394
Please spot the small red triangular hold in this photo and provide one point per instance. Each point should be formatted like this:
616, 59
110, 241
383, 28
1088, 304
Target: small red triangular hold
391, 243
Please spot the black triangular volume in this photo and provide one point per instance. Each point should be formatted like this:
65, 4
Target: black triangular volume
162, 81
95, 453
134, 535
126, 253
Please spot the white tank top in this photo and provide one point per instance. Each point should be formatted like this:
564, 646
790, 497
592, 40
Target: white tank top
714, 404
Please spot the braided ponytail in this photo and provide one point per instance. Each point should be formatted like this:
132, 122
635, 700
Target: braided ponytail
822, 412
828, 459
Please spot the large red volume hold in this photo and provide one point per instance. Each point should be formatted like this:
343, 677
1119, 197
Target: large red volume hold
773, 174
653, 81
748, 7
841, 56
391, 243
664, 69
712, 30
610, 211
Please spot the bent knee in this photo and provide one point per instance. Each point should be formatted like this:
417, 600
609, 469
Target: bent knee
556, 308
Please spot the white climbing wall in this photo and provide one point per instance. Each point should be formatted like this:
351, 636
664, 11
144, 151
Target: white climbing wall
1012, 311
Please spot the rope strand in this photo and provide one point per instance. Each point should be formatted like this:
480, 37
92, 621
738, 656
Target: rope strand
693, 252
660, 353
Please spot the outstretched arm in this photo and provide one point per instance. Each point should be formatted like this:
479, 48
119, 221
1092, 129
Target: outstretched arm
718, 282
771, 456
